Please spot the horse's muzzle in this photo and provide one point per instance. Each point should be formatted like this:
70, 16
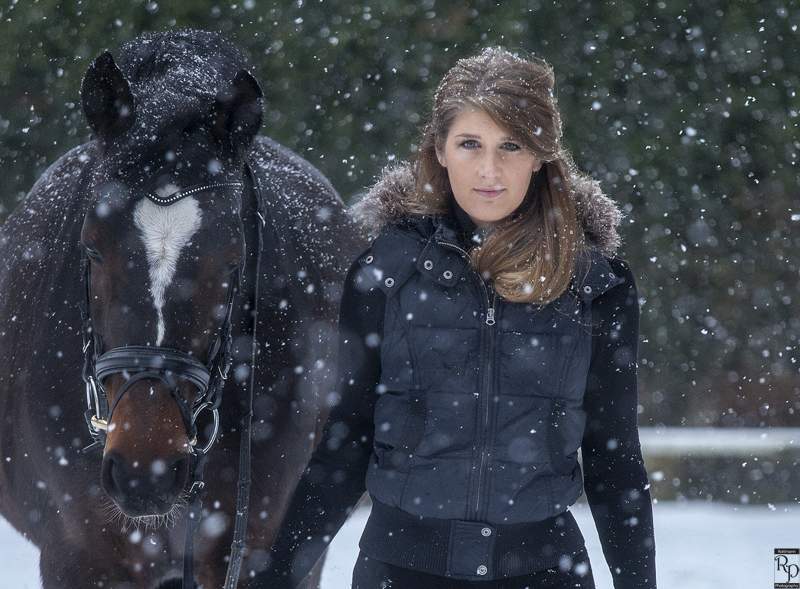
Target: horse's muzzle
144, 490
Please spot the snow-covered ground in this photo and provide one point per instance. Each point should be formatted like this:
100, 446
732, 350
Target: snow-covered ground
699, 546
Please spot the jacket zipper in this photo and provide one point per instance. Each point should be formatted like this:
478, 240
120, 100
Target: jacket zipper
489, 301
489, 321
487, 390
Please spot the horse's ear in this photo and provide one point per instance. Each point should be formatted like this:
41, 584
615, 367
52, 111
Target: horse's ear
107, 99
236, 115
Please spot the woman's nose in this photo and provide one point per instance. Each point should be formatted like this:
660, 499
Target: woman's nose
488, 166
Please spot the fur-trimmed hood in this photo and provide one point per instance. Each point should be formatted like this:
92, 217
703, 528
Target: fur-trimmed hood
386, 203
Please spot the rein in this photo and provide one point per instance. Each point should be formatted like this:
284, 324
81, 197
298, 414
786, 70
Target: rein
172, 366
238, 544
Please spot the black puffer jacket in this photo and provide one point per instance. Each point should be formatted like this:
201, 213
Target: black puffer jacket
467, 433
480, 415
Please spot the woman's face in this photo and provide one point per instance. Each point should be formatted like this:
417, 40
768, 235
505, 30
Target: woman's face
489, 171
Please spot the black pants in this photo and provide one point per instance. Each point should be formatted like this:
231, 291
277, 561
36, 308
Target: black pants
373, 574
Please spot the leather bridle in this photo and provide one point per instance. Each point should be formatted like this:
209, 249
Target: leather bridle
165, 364
172, 366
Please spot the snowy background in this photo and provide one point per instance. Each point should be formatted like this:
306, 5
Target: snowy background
685, 111
699, 545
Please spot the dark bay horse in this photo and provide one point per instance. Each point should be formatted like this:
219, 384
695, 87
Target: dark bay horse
146, 260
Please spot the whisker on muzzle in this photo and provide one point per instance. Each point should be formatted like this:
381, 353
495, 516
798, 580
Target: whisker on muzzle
145, 523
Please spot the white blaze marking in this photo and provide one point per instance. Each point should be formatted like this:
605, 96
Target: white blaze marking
165, 232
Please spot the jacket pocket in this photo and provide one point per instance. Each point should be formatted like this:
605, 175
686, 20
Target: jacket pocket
557, 436
400, 421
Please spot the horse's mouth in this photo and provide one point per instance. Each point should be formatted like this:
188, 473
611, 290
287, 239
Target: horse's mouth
134, 508
145, 522
145, 492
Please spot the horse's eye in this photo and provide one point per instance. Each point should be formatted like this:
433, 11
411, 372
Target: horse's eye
93, 253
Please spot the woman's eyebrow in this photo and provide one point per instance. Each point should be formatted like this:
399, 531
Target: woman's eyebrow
474, 136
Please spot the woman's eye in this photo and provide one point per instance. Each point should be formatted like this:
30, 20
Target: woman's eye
469, 144
511, 147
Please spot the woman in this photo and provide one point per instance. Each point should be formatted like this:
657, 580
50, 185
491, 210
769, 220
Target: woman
486, 336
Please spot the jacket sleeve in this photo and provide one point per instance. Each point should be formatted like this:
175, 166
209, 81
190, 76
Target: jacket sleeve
615, 479
333, 481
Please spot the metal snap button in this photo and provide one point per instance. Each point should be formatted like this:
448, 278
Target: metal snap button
587, 289
612, 276
447, 274
368, 260
486, 532
389, 282
482, 570
428, 265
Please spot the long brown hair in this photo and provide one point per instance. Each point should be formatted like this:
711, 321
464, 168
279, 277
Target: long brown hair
531, 256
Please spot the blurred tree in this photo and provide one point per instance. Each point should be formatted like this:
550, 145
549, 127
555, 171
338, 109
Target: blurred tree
686, 111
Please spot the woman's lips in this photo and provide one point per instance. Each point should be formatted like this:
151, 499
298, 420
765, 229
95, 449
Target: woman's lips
489, 192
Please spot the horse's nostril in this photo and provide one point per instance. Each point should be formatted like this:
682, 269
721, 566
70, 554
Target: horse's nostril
109, 476
179, 465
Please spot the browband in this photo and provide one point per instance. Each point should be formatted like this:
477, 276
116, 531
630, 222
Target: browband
188, 191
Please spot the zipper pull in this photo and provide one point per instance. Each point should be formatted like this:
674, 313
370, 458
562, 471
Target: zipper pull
490, 316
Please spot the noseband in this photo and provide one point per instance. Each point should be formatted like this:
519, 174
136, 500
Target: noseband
168, 365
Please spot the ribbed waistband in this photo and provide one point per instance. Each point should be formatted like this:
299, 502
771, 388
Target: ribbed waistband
465, 549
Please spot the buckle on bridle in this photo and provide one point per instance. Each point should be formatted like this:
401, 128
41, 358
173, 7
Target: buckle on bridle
99, 423
212, 438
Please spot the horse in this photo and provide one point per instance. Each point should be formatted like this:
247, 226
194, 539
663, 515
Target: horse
151, 282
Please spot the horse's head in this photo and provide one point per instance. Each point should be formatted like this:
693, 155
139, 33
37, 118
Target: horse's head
164, 239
